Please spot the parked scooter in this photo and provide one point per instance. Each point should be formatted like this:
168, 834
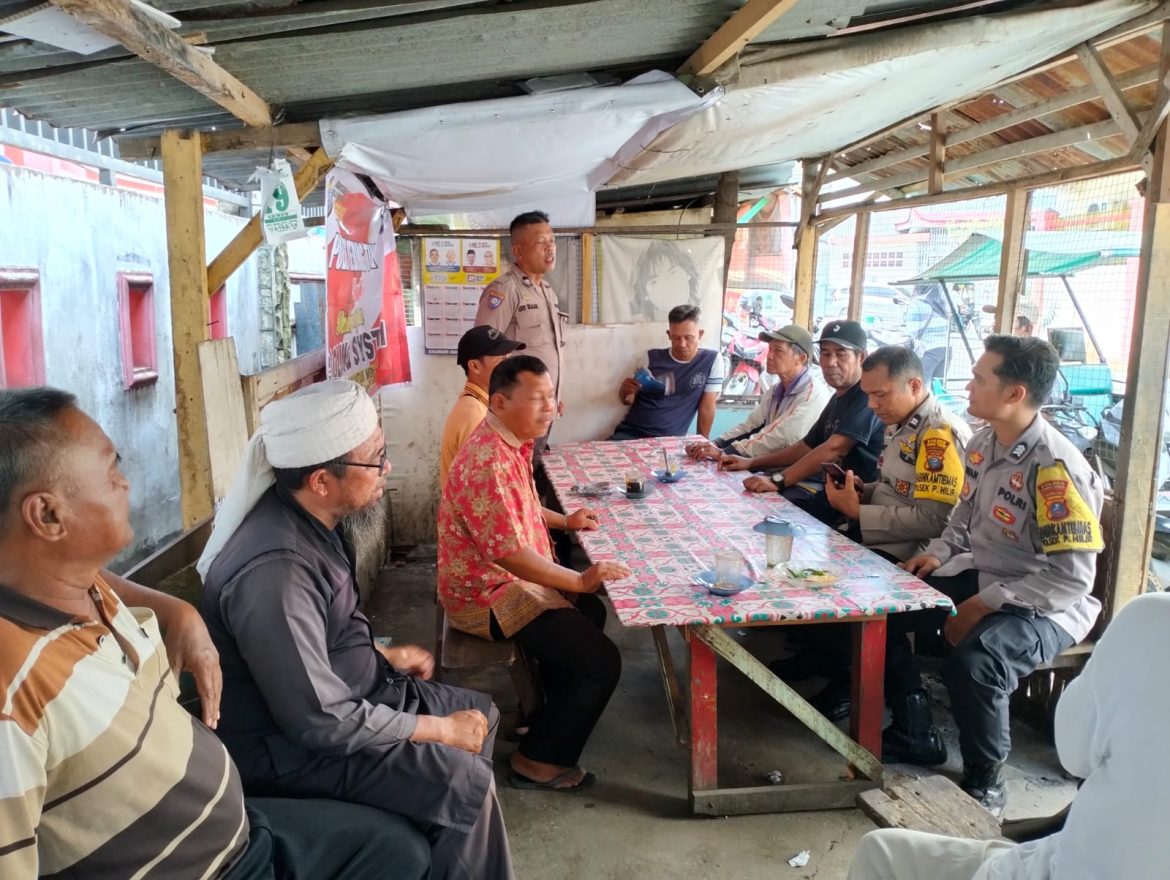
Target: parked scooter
746, 358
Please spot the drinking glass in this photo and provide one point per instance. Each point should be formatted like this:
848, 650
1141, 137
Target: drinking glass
728, 568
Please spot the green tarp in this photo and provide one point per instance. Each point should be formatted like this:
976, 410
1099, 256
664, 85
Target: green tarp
1049, 253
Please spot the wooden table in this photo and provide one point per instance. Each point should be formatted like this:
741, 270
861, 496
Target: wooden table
672, 534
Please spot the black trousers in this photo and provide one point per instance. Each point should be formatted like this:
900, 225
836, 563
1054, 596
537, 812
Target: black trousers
313, 839
579, 669
982, 671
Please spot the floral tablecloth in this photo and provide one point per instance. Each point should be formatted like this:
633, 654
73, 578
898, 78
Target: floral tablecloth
674, 532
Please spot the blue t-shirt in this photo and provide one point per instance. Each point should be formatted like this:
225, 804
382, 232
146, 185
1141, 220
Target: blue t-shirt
658, 414
849, 415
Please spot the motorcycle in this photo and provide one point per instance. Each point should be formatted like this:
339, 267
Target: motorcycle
746, 357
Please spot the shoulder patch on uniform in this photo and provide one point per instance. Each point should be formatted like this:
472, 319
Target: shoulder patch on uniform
1066, 521
938, 471
494, 300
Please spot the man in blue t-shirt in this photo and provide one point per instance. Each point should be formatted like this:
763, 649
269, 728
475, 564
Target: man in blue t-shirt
672, 384
847, 432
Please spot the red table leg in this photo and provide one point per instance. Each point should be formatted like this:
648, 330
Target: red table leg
869, 666
704, 718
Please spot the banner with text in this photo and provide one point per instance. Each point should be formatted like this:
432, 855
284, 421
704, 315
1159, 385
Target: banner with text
455, 272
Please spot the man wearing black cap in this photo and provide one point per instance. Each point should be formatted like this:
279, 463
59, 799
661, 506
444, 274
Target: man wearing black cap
847, 433
480, 349
785, 414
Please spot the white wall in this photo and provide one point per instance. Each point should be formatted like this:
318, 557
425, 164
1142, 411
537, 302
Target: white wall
78, 236
596, 359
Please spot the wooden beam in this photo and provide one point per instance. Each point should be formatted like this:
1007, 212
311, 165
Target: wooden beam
1145, 386
269, 137
726, 210
1012, 258
1157, 114
857, 269
938, 155
249, 238
811, 184
183, 199
260, 389
587, 278
1109, 90
753, 18
1050, 178
148, 39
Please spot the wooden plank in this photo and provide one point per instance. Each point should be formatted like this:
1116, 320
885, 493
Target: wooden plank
704, 718
796, 798
464, 651
678, 715
734, 653
262, 388
1109, 90
753, 18
183, 198
938, 154
268, 137
249, 238
173, 556
1159, 110
725, 211
857, 269
1012, 258
587, 278
1050, 178
931, 804
227, 427
868, 681
1141, 423
150, 40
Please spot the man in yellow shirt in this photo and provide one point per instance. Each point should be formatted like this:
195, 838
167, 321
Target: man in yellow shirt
480, 349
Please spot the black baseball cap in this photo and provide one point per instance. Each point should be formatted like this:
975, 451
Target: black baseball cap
850, 334
483, 341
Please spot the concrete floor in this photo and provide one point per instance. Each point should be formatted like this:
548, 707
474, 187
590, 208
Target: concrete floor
634, 822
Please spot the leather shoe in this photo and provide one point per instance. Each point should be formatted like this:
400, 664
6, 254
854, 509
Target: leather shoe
834, 701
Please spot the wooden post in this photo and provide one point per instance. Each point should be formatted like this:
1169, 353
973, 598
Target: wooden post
1145, 385
806, 243
857, 270
587, 278
938, 155
183, 197
1012, 258
726, 209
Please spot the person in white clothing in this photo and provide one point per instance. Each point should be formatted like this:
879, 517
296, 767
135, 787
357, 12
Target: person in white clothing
1111, 728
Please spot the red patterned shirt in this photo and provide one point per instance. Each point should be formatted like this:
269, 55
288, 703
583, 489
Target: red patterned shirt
490, 510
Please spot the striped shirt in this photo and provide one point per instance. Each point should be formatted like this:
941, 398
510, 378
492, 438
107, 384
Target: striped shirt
102, 773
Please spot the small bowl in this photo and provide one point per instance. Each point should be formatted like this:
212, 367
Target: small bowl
665, 476
707, 579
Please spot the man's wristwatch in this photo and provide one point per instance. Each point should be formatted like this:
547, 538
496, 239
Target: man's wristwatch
778, 479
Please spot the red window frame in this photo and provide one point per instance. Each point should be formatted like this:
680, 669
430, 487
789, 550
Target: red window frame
22, 348
137, 329
217, 313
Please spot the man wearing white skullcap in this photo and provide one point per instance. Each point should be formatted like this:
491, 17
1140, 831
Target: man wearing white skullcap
311, 706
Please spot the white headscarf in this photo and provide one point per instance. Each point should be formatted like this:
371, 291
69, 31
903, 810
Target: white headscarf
315, 424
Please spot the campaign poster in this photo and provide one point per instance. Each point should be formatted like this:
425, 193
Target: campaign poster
455, 272
365, 332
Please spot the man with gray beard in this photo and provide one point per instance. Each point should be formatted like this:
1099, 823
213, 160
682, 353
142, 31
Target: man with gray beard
311, 706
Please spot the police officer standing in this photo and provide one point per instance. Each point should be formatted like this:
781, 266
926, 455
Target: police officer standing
522, 305
1018, 558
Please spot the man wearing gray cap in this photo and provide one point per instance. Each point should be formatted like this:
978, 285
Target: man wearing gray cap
846, 434
783, 416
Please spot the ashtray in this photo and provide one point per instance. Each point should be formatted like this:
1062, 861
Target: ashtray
706, 578
592, 490
665, 476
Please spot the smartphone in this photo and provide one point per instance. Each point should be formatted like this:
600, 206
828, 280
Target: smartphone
834, 472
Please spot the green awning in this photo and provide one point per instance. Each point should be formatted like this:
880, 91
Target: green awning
1049, 253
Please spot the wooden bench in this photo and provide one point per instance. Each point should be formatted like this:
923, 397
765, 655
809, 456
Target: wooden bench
457, 651
928, 803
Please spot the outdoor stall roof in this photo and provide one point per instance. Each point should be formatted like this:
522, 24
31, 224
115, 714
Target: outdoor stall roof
1048, 254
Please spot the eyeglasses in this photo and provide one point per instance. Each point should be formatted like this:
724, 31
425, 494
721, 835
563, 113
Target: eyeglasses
381, 465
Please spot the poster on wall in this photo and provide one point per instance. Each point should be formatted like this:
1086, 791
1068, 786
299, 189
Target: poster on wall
455, 272
642, 279
365, 317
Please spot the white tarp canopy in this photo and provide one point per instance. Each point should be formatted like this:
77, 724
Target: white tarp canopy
487, 161
808, 100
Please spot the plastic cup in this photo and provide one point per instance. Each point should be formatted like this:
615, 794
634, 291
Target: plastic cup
728, 568
777, 549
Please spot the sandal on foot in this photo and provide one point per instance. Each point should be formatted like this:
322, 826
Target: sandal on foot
519, 780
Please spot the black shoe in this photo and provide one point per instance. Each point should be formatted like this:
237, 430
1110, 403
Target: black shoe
798, 667
912, 738
985, 783
834, 701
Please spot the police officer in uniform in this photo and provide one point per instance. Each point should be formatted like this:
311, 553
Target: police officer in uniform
522, 305
1018, 558
920, 478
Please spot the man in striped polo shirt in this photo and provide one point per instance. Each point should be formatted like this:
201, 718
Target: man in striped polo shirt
102, 773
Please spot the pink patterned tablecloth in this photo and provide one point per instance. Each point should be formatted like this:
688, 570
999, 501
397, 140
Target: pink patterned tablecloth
675, 531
